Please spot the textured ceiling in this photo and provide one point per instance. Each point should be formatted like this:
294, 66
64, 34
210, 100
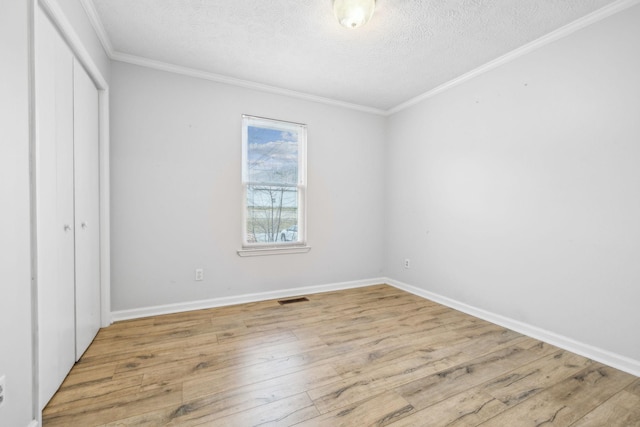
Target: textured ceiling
409, 47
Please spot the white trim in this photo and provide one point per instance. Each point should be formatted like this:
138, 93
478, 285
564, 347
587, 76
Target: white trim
240, 299
205, 75
35, 332
558, 34
608, 358
52, 9
284, 250
95, 20
623, 363
105, 211
34, 423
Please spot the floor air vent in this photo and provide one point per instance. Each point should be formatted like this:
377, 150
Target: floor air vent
292, 301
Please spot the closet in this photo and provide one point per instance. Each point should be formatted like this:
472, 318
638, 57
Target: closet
67, 193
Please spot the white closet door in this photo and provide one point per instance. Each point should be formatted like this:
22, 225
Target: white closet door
87, 203
54, 206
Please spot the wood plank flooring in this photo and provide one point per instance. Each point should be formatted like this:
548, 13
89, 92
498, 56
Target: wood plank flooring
371, 356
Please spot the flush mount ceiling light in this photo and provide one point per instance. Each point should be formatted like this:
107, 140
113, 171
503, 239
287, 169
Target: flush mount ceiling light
353, 13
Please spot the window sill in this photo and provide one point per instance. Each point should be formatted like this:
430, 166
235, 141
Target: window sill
273, 251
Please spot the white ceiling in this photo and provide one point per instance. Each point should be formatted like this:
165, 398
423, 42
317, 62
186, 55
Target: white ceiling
408, 48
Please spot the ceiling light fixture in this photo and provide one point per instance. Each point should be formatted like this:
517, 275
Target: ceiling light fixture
353, 13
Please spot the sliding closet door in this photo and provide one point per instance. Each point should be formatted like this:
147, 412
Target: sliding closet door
87, 201
54, 207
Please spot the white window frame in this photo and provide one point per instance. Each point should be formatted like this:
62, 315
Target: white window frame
273, 248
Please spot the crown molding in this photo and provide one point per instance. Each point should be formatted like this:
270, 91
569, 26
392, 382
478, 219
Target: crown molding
114, 55
558, 34
95, 20
191, 72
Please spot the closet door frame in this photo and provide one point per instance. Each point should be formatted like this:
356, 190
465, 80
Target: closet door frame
57, 17
53, 12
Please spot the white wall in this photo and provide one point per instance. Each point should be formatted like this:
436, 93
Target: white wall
15, 272
518, 192
176, 193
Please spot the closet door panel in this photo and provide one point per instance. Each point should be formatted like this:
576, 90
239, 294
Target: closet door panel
87, 201
54, 207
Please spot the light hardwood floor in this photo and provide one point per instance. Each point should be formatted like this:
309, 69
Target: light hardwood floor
369, 356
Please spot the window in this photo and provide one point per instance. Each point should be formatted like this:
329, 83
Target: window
274, 182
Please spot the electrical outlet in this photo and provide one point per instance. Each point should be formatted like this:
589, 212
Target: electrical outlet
3, 389
199, 274
407, 263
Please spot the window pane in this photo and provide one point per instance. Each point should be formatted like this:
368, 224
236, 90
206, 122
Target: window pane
272, 155
274, 180
272, 213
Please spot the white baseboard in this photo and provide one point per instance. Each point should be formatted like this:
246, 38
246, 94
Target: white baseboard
603, 356
239, 299
33, 423
608, 358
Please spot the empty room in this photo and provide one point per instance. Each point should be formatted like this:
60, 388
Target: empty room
320, 213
